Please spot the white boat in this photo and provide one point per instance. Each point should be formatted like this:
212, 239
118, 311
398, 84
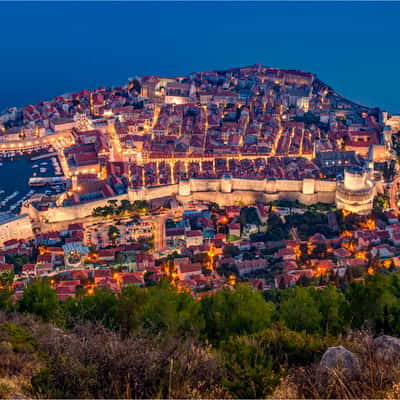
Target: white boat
43, 170
35, 166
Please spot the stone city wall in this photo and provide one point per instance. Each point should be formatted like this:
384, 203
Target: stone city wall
81, 210
234, 190
19, 227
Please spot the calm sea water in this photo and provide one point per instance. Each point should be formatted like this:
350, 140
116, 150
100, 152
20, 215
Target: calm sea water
15, 174
51, 48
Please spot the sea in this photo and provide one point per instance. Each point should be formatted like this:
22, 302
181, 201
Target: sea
14, 177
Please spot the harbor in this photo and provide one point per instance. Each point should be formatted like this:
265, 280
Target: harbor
22, 176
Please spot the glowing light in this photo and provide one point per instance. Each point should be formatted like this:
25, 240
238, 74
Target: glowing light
345, 213
224, 220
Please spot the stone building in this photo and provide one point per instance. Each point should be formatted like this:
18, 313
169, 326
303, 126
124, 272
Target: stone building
355, 193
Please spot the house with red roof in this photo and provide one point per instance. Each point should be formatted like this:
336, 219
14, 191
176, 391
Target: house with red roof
194, 238
28, 270
43, 269
106, 255
131, 278
6, 268
341, 253
186, 271
248, 266
234, 229
284, 281
11, 244
287, 254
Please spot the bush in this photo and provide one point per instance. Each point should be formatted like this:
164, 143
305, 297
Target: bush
380, 378
92, 362
231, 313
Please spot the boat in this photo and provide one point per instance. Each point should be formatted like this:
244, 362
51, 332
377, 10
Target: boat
35, 166
8, 198
43, 170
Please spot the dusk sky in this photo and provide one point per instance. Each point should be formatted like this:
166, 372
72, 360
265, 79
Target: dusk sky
53, 48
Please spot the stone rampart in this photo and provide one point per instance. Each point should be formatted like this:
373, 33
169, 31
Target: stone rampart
245, 191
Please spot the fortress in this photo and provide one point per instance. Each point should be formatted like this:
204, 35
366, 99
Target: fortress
224, 191
355, 193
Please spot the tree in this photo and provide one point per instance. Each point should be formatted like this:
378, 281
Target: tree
231, 313
6, 286
141, 206
113, 233
250, 367
41, 299
299, 310
276, 227
125, 207
17, 260
97, 307
171, 312
230, 250
331, 304
129, 308
367, 302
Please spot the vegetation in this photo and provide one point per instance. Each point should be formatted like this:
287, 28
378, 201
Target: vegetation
161, 342
124, 209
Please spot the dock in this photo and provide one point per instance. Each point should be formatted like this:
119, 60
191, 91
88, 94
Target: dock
46, 155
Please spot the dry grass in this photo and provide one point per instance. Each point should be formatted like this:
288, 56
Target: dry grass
39, 360
92, 362
379, 378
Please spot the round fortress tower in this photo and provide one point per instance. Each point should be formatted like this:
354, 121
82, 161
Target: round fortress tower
184, 187
355, 179
226, 184
355, 193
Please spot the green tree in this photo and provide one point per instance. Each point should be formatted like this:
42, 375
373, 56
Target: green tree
367, 301
231, 313
113, 233
97, 307
41, 299
331, 304
171, 312
17, 260
250, 368
125, 207
141, 206
129, 308
230, 250
6, 286
299, 310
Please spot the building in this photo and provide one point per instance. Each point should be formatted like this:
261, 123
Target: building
15, 227
355, 193
75, 254
194, 238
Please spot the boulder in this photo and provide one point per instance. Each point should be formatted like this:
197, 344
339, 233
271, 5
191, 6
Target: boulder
387, 346
339, 358
5, 347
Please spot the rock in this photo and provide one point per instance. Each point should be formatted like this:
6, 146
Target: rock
5, 347
339, 358
387, 346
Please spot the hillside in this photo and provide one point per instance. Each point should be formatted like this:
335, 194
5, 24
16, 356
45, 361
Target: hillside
159, 342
